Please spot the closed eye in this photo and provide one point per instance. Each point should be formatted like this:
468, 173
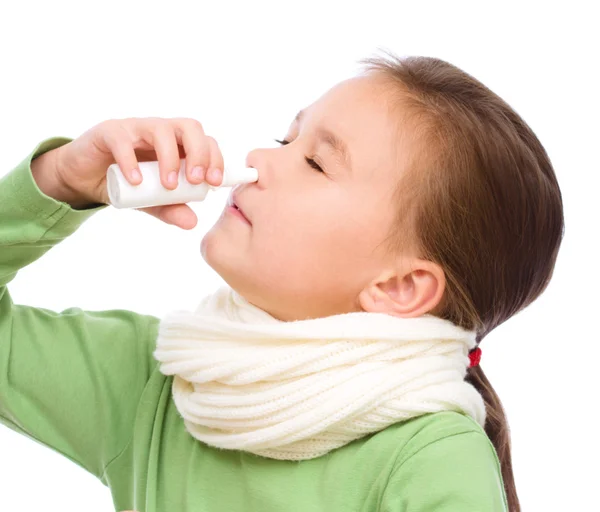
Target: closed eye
309, 161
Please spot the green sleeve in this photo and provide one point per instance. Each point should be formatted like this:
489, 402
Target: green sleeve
458, 473
70, 380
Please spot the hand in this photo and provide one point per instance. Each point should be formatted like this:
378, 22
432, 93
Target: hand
81, 165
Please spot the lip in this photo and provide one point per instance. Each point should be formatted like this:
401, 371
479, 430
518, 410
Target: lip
233, 206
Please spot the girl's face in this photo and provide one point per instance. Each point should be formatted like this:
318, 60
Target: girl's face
315, 237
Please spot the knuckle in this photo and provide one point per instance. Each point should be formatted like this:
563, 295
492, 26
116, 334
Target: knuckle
109, 126
160, 124
188, 123
192, 123
195, 124
130, 128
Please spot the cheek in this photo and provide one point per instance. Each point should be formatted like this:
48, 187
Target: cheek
315, 247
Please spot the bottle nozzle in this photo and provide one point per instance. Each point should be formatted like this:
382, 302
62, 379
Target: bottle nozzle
237, 176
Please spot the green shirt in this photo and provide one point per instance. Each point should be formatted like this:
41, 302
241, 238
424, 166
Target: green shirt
85, 384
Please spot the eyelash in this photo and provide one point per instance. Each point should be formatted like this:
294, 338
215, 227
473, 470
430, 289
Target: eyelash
309, 161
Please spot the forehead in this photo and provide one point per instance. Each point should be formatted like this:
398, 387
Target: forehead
357, 111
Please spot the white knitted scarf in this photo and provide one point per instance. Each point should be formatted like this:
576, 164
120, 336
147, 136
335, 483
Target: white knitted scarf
244, 380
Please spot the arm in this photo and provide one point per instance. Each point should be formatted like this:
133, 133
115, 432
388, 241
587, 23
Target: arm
43, 170
458, 473
70, 380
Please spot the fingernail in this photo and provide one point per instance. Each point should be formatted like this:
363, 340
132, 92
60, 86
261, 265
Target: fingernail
172, 177
214, 174
136, 175
197, 172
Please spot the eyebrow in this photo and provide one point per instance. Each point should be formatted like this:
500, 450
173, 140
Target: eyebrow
332, 140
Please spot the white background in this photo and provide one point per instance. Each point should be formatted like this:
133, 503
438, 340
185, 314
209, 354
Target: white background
244, 70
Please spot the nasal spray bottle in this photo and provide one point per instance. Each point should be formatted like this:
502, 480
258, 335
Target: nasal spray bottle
151, 192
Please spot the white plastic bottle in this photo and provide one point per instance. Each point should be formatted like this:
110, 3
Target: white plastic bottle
151, 192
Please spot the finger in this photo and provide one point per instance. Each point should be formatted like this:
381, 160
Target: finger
180, 215
214, 176
190, 135
160, 134
118, 141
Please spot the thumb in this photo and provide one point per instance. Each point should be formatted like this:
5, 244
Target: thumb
180, 215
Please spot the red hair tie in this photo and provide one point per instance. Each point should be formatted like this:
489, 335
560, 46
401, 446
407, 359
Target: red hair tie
475, 357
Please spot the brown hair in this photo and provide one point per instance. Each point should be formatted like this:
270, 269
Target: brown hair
480, 198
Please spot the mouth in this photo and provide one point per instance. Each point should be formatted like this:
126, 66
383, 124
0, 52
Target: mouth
234, 208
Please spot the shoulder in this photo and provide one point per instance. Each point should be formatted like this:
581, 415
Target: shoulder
409, 436
446, 457
420, 432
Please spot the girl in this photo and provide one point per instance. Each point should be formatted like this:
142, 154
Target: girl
408, 212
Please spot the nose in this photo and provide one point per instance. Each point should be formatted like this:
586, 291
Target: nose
253, 158
260, 160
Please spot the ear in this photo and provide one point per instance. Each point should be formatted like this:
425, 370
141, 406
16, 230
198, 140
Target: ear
405, 292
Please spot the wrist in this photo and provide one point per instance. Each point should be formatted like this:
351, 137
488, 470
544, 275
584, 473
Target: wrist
47, 176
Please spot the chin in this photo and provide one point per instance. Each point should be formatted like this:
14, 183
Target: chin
214, 250
223, 256
206, 247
